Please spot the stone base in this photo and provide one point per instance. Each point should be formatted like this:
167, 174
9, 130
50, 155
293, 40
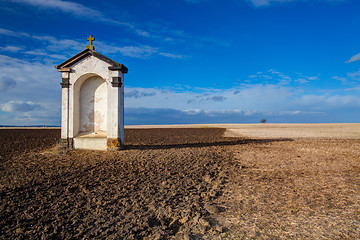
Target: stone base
114, 144
92, 142
67, 143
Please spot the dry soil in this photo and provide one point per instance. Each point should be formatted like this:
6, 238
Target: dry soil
179, 183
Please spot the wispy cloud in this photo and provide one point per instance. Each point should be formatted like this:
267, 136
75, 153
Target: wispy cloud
244, 103
19, 106
356, 88
171, 55
10, 49
141, 51
136, 93
8, 32
354, 58
52, 46
303, 79
343, 80
80, 10
275, 76
148, 30
195, 1
355, 75
57, 44
260, 3
352, 78
217, 98
65, 6
264, 3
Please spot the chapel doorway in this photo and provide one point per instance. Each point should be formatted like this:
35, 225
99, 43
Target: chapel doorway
93, 106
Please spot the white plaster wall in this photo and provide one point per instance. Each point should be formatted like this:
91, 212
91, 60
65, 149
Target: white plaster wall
64, 117
64, 107
93, 105
121, 110
113, 114
116, 109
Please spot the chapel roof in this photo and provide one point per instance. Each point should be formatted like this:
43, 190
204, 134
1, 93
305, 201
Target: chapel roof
90, 52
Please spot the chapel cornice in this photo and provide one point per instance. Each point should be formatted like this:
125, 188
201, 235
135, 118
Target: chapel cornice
66, 65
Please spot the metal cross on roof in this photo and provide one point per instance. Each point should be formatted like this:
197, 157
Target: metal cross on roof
90, 39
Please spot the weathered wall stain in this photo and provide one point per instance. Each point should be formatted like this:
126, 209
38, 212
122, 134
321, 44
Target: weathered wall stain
99, 121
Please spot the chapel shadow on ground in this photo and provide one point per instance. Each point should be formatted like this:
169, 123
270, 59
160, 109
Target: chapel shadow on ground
205, 144
175, 138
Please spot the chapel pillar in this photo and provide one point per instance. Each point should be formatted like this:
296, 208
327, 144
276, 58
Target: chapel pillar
66, 140
115, 138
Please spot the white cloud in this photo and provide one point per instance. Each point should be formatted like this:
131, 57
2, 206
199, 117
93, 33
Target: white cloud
354, 58
171, 55
136, 93
195, 1
137, 52
259, 3
91, 14
325, 102
19, 106
31, 87
65, 6
53, 46
56, 44
351, 79
247, 103
354, 75
42, 52
10, 49
142, 51
343, 80
259, 97
263, 3
217, 98
356, 88
313, 78
8, 32
80, 10
38, 84
303, 79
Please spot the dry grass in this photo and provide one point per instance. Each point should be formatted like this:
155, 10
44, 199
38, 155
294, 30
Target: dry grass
333, 130
302, 189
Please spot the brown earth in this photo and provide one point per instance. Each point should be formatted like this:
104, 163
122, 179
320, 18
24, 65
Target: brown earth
179, 184
21, 141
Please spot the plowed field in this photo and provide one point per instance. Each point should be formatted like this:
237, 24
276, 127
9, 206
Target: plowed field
179, 184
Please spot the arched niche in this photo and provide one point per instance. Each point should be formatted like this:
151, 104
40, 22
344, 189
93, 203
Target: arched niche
91, 105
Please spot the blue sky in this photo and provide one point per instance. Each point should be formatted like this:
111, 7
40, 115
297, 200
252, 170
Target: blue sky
190, 61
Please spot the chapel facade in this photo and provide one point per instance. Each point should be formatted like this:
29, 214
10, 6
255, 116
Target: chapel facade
92, 102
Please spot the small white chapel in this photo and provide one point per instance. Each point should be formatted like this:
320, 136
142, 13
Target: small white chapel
92, 101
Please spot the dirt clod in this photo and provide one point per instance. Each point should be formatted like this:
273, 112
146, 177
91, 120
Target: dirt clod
212, 209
